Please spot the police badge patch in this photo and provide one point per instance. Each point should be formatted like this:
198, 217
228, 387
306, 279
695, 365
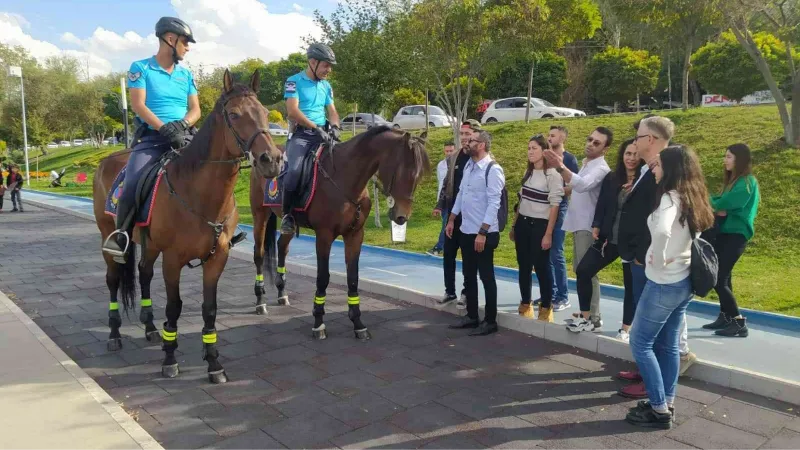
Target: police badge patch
133, 76
290, 86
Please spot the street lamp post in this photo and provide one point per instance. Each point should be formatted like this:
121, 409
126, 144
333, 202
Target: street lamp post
16, 71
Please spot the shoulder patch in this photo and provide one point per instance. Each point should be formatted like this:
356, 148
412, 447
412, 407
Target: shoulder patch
133, 76
290, 86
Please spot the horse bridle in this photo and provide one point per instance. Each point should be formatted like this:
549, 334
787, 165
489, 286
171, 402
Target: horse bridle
244, 146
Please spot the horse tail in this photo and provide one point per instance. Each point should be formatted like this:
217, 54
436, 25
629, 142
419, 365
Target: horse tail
270, 246
127, 275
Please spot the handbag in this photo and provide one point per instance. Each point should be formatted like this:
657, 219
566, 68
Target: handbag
704, 266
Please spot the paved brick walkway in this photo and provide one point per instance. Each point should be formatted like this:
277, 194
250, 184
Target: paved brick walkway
415, 385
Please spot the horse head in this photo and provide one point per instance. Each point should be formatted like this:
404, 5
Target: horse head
247, 131
401, 172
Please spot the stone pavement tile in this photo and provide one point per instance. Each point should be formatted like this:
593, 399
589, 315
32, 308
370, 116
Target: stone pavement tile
452, 376
297, 401
794, 425
509, 432
610, 420
184, 433
292, 375
282, 325
378, 435
410, 392
700, 391
254, 439
555, 415
350, 383
476, 404
670, 444
194, 403
432, 420
98, 365
306, 430
248, 367
362, 409
288, 355
138, 356
242, 349
454, 441
53, 321
581, 436
75, 339
379, 347
336, 341
704, 433
239, 391
132, 375
784, 439
394, 369
191, 378
238, 419
746, 417
548, 370
51, 332
763, 402
285, 339
239, 334
138, 394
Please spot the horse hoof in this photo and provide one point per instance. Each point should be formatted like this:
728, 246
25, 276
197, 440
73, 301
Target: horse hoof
114, 345
363, 335
170, 371
152, 336
283, 301
319, 333
261, 310
218, 377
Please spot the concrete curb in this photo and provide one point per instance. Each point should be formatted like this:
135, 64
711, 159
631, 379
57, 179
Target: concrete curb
134, 430
719, 374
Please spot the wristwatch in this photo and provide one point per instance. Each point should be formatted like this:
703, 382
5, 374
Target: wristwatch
483, 231
560, 169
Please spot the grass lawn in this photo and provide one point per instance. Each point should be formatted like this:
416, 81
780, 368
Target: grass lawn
766, 278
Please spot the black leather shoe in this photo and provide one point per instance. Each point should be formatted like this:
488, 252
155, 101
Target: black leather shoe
485, 328
722, 322
465, 322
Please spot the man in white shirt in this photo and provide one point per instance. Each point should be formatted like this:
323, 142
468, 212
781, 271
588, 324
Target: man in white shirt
478, 202
441, 173
585, 186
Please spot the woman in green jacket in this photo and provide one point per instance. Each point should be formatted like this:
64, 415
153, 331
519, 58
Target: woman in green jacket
736, 207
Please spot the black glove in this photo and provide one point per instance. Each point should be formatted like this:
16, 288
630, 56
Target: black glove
174, 132
326, 138
336, 133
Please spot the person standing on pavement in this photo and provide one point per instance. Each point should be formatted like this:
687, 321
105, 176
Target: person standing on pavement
441, 173
14, 183
478, 202
735, 207
447, 197
682, 211
533, 225
585, 185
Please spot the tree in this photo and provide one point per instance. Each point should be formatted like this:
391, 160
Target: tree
619, 74
276, 117
476, 93
402, 97
724, 67
549, 79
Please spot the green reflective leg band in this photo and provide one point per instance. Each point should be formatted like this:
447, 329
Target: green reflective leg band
147, 302
210, 338
281, 269
260, 277
113, 306
353, 300
319, 300
169, 335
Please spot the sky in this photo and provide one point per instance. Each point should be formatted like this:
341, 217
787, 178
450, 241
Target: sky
107, 35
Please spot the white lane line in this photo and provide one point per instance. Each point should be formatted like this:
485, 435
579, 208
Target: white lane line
707, 340
387, 271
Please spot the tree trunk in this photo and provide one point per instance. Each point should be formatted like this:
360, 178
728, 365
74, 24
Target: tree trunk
697, 97
687, 62
746, 40
795, 117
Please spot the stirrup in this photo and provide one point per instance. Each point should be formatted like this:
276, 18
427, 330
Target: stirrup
116, 253
238, 237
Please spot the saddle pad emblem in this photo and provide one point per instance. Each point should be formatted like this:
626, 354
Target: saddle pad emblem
117, 194
273, 187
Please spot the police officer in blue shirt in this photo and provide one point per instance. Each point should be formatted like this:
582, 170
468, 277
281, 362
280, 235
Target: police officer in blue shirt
164, 98
309, 104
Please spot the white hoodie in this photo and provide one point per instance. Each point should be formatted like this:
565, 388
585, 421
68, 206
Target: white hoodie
670, 253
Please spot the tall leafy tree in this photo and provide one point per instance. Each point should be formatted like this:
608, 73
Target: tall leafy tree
619, 74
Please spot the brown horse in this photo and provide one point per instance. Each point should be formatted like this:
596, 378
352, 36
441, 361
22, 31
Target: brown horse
194, 216
340, 208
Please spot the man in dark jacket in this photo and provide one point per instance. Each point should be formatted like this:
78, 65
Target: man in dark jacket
14, 184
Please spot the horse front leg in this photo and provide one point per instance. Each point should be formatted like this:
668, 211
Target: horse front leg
172, 266
280, 276
352, 253
324, 242
146, 311
259, 228
114, 319
212, 270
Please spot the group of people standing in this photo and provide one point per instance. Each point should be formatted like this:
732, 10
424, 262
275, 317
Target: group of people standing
646, 211
13, 183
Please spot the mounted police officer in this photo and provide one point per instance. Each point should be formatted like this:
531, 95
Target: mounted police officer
309, 104
164, 98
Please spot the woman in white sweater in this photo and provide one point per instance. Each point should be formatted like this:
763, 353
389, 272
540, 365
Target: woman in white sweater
682, 206
532, 232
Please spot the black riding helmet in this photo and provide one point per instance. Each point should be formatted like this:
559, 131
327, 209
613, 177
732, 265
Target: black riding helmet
177, 26
321, 52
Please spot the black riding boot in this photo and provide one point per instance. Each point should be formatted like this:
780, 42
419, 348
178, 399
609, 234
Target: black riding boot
116, 244
287, 223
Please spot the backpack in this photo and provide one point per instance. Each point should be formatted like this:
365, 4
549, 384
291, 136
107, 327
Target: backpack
704, 266
502, 212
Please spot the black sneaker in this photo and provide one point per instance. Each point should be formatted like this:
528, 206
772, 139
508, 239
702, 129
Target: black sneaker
448, 298
649, 418
464, 322
434, 252
722, 322
484, 329
736, 328
287, 224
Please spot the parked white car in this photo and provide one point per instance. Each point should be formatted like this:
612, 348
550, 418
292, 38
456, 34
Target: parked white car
513, 109
413, 116
277, 130
52, 145
65, 144
77, 142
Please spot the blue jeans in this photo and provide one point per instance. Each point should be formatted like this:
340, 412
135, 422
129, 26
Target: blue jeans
655, 337
557, 259
440, 243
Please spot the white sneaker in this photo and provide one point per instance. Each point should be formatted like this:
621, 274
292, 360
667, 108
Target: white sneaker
624, 336
462, 302
580, 325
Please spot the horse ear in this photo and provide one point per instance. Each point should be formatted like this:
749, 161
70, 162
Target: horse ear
255, 81
227, 81
423, 135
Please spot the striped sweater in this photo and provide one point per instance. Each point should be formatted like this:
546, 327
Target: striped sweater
539, 193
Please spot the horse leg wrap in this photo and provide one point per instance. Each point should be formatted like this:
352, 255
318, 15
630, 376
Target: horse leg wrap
216, 373
114, 319
259, 288
319, 311
280, 284
354, 314
170, 337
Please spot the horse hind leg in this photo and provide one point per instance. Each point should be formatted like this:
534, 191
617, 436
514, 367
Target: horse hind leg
280, 277
146, 311
212, 270
172, 273
352, 252
259, 230
324, 242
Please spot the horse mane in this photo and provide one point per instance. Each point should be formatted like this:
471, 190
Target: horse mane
198, 151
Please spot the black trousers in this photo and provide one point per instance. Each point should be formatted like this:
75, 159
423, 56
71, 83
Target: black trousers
449, 258
473, 264
596, 259
729, 248
628, 305
528, 234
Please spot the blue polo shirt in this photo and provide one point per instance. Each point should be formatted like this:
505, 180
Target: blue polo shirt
313, 96
167, 94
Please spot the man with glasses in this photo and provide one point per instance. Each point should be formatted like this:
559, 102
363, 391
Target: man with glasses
478, 202
585, 185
